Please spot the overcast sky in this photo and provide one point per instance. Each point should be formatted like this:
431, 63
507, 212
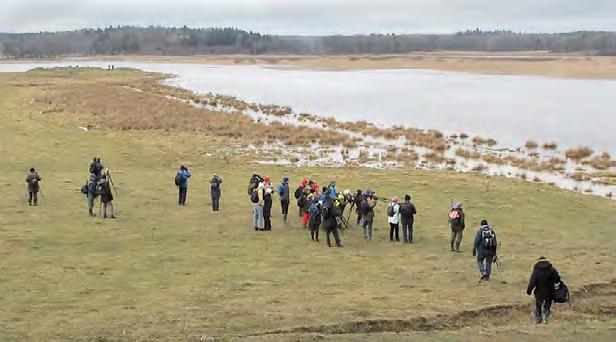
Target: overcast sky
314, 16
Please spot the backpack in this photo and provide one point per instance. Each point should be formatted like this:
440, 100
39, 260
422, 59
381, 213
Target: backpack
301, 201
254, 196
363, 207
298, 192
254, 183
561, 293
178, 179
488, 239
390, 211
455, 217
84, 189
314, 212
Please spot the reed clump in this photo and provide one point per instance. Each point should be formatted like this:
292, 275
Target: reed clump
578, 153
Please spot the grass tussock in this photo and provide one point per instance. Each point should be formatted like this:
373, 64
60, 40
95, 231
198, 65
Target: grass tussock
550, 146
579, 153
479, 141
468, 154
602, 162
531, 145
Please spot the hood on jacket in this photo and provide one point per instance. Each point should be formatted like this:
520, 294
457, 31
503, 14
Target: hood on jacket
285, 179
543, 264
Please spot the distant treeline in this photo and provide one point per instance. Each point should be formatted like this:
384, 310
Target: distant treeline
188, 41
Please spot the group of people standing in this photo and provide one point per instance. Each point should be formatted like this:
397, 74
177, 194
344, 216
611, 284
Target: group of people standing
181, 182
99, 184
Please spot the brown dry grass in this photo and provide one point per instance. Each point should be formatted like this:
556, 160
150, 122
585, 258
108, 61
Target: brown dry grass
531, 144
550, 146
602, 162
478, 141
469, 154
579, 153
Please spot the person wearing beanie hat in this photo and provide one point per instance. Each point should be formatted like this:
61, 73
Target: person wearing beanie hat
542, 281
457, 225
407, 212
283, 192
33, 180
393, 218
484, 248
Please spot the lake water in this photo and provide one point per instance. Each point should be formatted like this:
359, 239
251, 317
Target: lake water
510, 109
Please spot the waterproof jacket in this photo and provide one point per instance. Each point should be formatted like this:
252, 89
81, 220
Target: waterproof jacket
461, 225
104, 190
33, 180
283, 191
185, 174
215, 186
329, 213
91, 186
396, 218
369, 214
542, 280
478, 245
407, 217
96, 168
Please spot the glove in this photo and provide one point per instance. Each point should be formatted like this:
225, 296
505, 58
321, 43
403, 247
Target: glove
474, 253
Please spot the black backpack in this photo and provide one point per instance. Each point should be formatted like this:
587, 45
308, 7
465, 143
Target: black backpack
314, 212
178, 179
254, 196
254, 183
390, 211
298, 192
561, 293
488, 239
363, 207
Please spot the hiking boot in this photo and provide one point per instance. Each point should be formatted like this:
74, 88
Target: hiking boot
113, 216
483, 277
339, 245
30, 204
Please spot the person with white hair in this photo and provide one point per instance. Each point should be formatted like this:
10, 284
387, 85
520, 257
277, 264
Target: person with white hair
393, 218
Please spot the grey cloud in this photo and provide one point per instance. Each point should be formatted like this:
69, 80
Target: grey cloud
314, 16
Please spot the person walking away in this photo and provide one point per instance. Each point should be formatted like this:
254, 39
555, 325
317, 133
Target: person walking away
34, 187
329, 212
314, 221
283, 192
311, 197
267, 208
91, 193
299, 196
542, 281
104, 190
181, 181
393, 218
367, 213
456, 223
96, 168
215, 191
484, 248
407, 218
257, 199
357, 199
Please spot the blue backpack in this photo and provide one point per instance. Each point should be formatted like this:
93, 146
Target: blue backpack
314, 211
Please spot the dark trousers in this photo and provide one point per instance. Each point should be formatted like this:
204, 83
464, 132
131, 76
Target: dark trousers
336, 236
268, 222
486, 269
407, 231
216, 203
542, 309
32, 197
182, 195
314, 231
284, 204
394, 228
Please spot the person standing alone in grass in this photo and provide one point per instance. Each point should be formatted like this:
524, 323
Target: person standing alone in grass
542, 280
484, 248
181, 181
283, 192
407, 216
215, 192
456, 223
34, 187
393, 218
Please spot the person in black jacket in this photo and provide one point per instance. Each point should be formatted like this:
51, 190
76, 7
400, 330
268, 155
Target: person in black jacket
215, 192
329, 213
542, 281
267, 208
484, 248
106, 196
407, 216
96, 168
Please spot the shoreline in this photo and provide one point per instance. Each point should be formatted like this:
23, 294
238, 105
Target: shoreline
533, 63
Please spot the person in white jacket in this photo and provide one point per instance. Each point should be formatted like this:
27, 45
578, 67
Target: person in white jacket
393, 217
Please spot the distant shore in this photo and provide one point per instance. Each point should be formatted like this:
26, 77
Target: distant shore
493, 63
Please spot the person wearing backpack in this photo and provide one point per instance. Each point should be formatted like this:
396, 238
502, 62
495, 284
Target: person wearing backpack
96, 168
457, 225
542, 281
215, 192
283, 192
257, 199
181, 181
33, 180
314, 221
393, 218
357, 199
330, 212
298, 194
309, 199
104, 190
90, 191
367, 212
484, 248
407, 212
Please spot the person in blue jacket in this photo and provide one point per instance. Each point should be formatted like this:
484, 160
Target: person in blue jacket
182, 175
485, 249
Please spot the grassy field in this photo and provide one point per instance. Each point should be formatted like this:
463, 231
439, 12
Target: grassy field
160, 272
